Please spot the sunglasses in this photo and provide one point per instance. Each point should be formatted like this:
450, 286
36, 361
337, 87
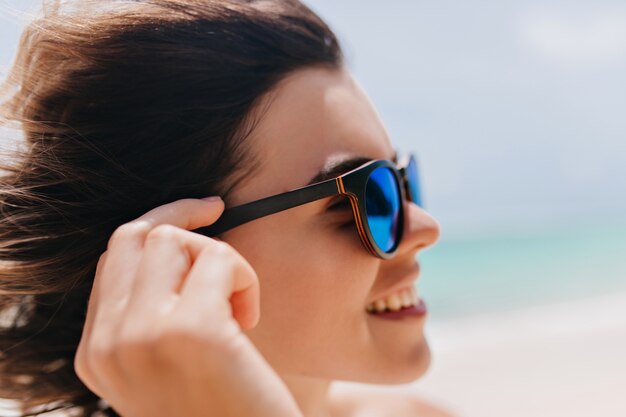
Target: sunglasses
376, 191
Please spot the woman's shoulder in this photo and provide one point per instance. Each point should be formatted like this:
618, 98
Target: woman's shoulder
355, 401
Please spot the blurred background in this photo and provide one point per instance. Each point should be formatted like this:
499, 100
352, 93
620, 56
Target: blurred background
517, 113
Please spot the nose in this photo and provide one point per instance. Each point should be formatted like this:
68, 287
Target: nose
420, 229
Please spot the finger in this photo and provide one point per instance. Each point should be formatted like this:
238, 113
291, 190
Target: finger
169, 253
126, 245
93, 296
113, 279
245, 306
81, 362
221, 286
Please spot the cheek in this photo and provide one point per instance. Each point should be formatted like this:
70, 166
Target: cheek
314, 285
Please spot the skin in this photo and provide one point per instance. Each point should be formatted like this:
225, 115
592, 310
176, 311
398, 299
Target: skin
262, 322
315, 276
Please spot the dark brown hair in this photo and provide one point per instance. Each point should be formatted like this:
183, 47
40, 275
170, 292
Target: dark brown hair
123, 106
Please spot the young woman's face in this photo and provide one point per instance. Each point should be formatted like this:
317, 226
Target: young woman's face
316, 278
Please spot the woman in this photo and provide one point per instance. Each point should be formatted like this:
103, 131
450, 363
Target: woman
133, 113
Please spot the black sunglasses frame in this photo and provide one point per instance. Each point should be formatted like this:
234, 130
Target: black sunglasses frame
351, 184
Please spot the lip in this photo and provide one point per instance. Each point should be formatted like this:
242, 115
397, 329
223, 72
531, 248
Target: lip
412, 312
409, 281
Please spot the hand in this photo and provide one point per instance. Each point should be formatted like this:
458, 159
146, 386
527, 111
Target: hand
162, 335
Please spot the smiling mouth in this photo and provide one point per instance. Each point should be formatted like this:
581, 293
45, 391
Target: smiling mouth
402, 299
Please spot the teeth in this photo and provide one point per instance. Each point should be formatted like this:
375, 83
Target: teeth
407, 298
394, 302
380, 305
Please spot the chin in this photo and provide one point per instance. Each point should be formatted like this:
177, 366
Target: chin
412, 367
410, 370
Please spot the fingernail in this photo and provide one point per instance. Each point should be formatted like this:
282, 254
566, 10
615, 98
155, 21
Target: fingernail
212, 198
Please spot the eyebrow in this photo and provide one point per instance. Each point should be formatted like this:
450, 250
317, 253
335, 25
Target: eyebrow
336, 168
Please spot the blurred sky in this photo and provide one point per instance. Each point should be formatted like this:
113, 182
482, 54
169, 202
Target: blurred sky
517, 109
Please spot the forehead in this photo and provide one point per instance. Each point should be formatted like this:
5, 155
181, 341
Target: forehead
313, 118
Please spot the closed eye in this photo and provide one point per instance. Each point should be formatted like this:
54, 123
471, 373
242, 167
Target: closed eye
343, 203
340, 210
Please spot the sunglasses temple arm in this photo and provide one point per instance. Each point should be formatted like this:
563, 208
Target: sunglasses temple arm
244, 213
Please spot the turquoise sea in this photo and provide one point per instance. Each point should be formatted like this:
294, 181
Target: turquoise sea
462, 276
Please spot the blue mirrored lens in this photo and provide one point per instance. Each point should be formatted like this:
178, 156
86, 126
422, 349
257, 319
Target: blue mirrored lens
414, 183
382, 206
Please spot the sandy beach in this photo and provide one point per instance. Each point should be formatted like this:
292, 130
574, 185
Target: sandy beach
556, 360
